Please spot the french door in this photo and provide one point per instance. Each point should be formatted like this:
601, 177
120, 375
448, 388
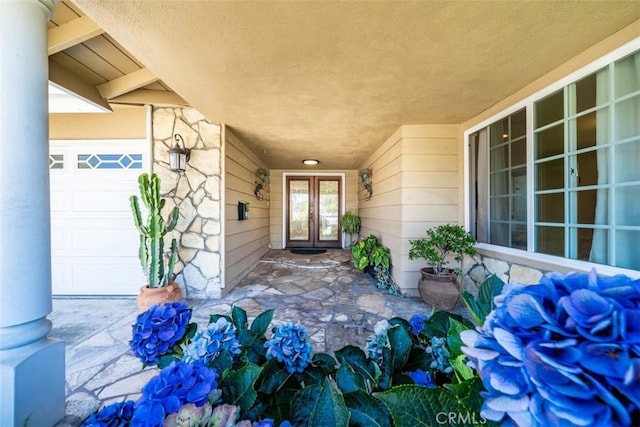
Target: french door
313, 211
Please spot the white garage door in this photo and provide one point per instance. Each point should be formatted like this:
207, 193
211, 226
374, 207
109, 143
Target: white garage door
94, 243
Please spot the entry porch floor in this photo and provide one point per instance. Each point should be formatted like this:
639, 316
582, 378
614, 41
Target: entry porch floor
337, 304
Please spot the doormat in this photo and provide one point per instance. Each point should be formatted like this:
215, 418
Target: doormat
308, 251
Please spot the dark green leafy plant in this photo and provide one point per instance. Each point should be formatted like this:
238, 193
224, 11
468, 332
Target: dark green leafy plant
369, 253
350, 222
440, 242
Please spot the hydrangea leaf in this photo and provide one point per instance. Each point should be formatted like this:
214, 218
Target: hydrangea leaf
366, 410
481, 306
166, 360
324, 362
460, 367
453, 337
256, 353
238, 386
312, 375
400, 340
386, 368
468, 392
261, 323
191, 331
221, 363
438, 324
246, 337
239, 317
273, 377
412, 405
417, 360
349, 380
359, 362
319, 406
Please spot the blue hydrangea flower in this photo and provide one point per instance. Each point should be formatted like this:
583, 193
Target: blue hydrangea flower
176, 385
417, 323
219, 337
377, 342
440, 354
289, 345
563, 352
268, 422
114, 415
422, 378
158, 329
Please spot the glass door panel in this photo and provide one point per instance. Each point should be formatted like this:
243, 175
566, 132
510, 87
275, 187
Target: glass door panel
328, 210
313, 211
299, 207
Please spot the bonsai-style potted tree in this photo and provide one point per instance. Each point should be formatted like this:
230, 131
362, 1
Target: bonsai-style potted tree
350, 224
160, 286
438, 285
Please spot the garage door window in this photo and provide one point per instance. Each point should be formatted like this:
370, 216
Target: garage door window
109, 161
56, 161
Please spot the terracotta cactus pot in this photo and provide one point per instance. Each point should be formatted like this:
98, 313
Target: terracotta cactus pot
149, 296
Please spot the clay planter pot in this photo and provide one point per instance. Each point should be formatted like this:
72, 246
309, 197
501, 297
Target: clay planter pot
439, 291
149, 296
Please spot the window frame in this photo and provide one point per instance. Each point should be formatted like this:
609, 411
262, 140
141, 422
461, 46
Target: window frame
528, 257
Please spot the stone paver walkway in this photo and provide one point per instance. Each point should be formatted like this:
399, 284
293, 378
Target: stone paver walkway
336, 303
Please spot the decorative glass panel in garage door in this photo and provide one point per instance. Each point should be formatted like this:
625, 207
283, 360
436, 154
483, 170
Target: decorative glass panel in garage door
109, 161
56, 161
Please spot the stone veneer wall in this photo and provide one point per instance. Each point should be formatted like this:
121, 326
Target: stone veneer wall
476, 270
197, 193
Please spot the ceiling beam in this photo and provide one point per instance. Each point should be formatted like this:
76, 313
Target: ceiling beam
151, 97
72, 33
126, 83
74, 83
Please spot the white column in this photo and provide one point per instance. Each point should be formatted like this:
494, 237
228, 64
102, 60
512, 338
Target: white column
32, 389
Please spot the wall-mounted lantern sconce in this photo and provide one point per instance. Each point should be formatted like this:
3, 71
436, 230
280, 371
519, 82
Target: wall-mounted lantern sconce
261, 175
178, 156
365, 179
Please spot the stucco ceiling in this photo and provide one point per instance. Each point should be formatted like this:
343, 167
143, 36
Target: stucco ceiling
333, 80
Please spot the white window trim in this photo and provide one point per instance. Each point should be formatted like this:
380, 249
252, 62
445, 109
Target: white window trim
528, 257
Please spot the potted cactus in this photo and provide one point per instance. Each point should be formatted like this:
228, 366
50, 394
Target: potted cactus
160, 286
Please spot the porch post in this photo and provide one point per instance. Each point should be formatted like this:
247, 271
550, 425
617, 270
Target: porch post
32, 382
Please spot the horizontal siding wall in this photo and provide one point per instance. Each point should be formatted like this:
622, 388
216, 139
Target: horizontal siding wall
248, 240
381, 215
430, 190
277, 205
416, 185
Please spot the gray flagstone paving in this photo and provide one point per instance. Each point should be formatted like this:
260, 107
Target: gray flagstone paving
336, 303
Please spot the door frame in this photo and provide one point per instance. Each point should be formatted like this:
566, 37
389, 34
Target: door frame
341, 175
